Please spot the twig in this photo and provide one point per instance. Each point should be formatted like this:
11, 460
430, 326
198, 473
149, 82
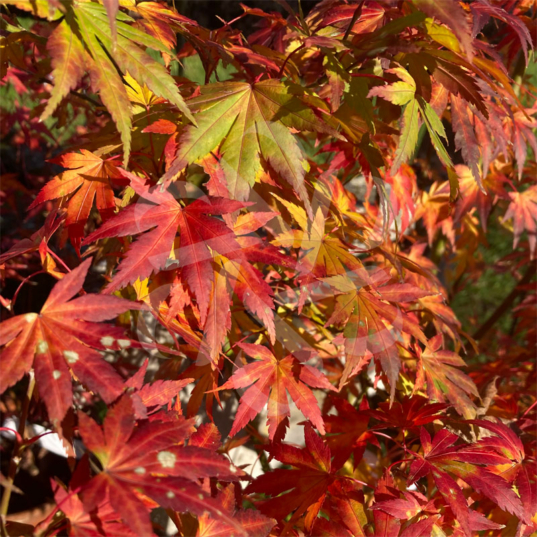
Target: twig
280, 74
58, 258
15, 457
357, 13
506, 304
14, 299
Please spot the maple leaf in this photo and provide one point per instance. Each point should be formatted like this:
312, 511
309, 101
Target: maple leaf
465, 138
136, 457
385, 523
83, 523
253, 522
147, 397
207, 377
402, 193
304, 488
92, 37
347, 432
247, 122
218, 316
436, 131
522, 135
471, 195
206, 436
38, 241
87, 178
412, 505
523, 211
161, 211
437, 367
407, 414
269, 379
415, 107
402, 93
522, 470
340, 15
325, 255
68, 59
371, 325
303, 117
452, 15
58, 341
346, 505
157, 21
482, 13
441, 458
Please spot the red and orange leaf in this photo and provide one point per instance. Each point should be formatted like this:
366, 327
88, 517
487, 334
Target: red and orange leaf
268, 380
523, 211
134, 456
88, 178
162, 215
58, 343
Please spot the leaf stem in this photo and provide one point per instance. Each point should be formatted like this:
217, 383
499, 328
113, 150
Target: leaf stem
15, 456
357, 13
58, 258
284, 64
14, 299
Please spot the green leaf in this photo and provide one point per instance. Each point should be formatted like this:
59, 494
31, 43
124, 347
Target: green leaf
453, 184
127, 31
67, 53
143, 68
247, 122
399, 93
436, 129
106, 80
409, 135
442, 35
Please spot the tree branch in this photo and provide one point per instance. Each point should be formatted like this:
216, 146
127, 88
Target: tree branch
506, 304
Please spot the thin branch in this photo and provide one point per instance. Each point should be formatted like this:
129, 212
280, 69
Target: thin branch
15, 456
355, 16
506, 304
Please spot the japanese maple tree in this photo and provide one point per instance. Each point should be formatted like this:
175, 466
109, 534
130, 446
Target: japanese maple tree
273, 276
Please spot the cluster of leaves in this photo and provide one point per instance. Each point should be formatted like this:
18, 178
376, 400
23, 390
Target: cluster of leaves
292, 230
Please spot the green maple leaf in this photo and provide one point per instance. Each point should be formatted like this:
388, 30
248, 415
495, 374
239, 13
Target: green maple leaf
248, 123
84, 41
403, 93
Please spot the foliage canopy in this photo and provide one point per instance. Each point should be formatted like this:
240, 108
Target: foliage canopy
288, 227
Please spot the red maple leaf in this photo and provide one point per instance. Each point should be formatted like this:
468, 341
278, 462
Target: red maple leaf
268, 380
251, 520
409, 413
443, 459
523, 468
523, 211
61, 338
304, 488
347, 432
162, 214
87, 178
150, 458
